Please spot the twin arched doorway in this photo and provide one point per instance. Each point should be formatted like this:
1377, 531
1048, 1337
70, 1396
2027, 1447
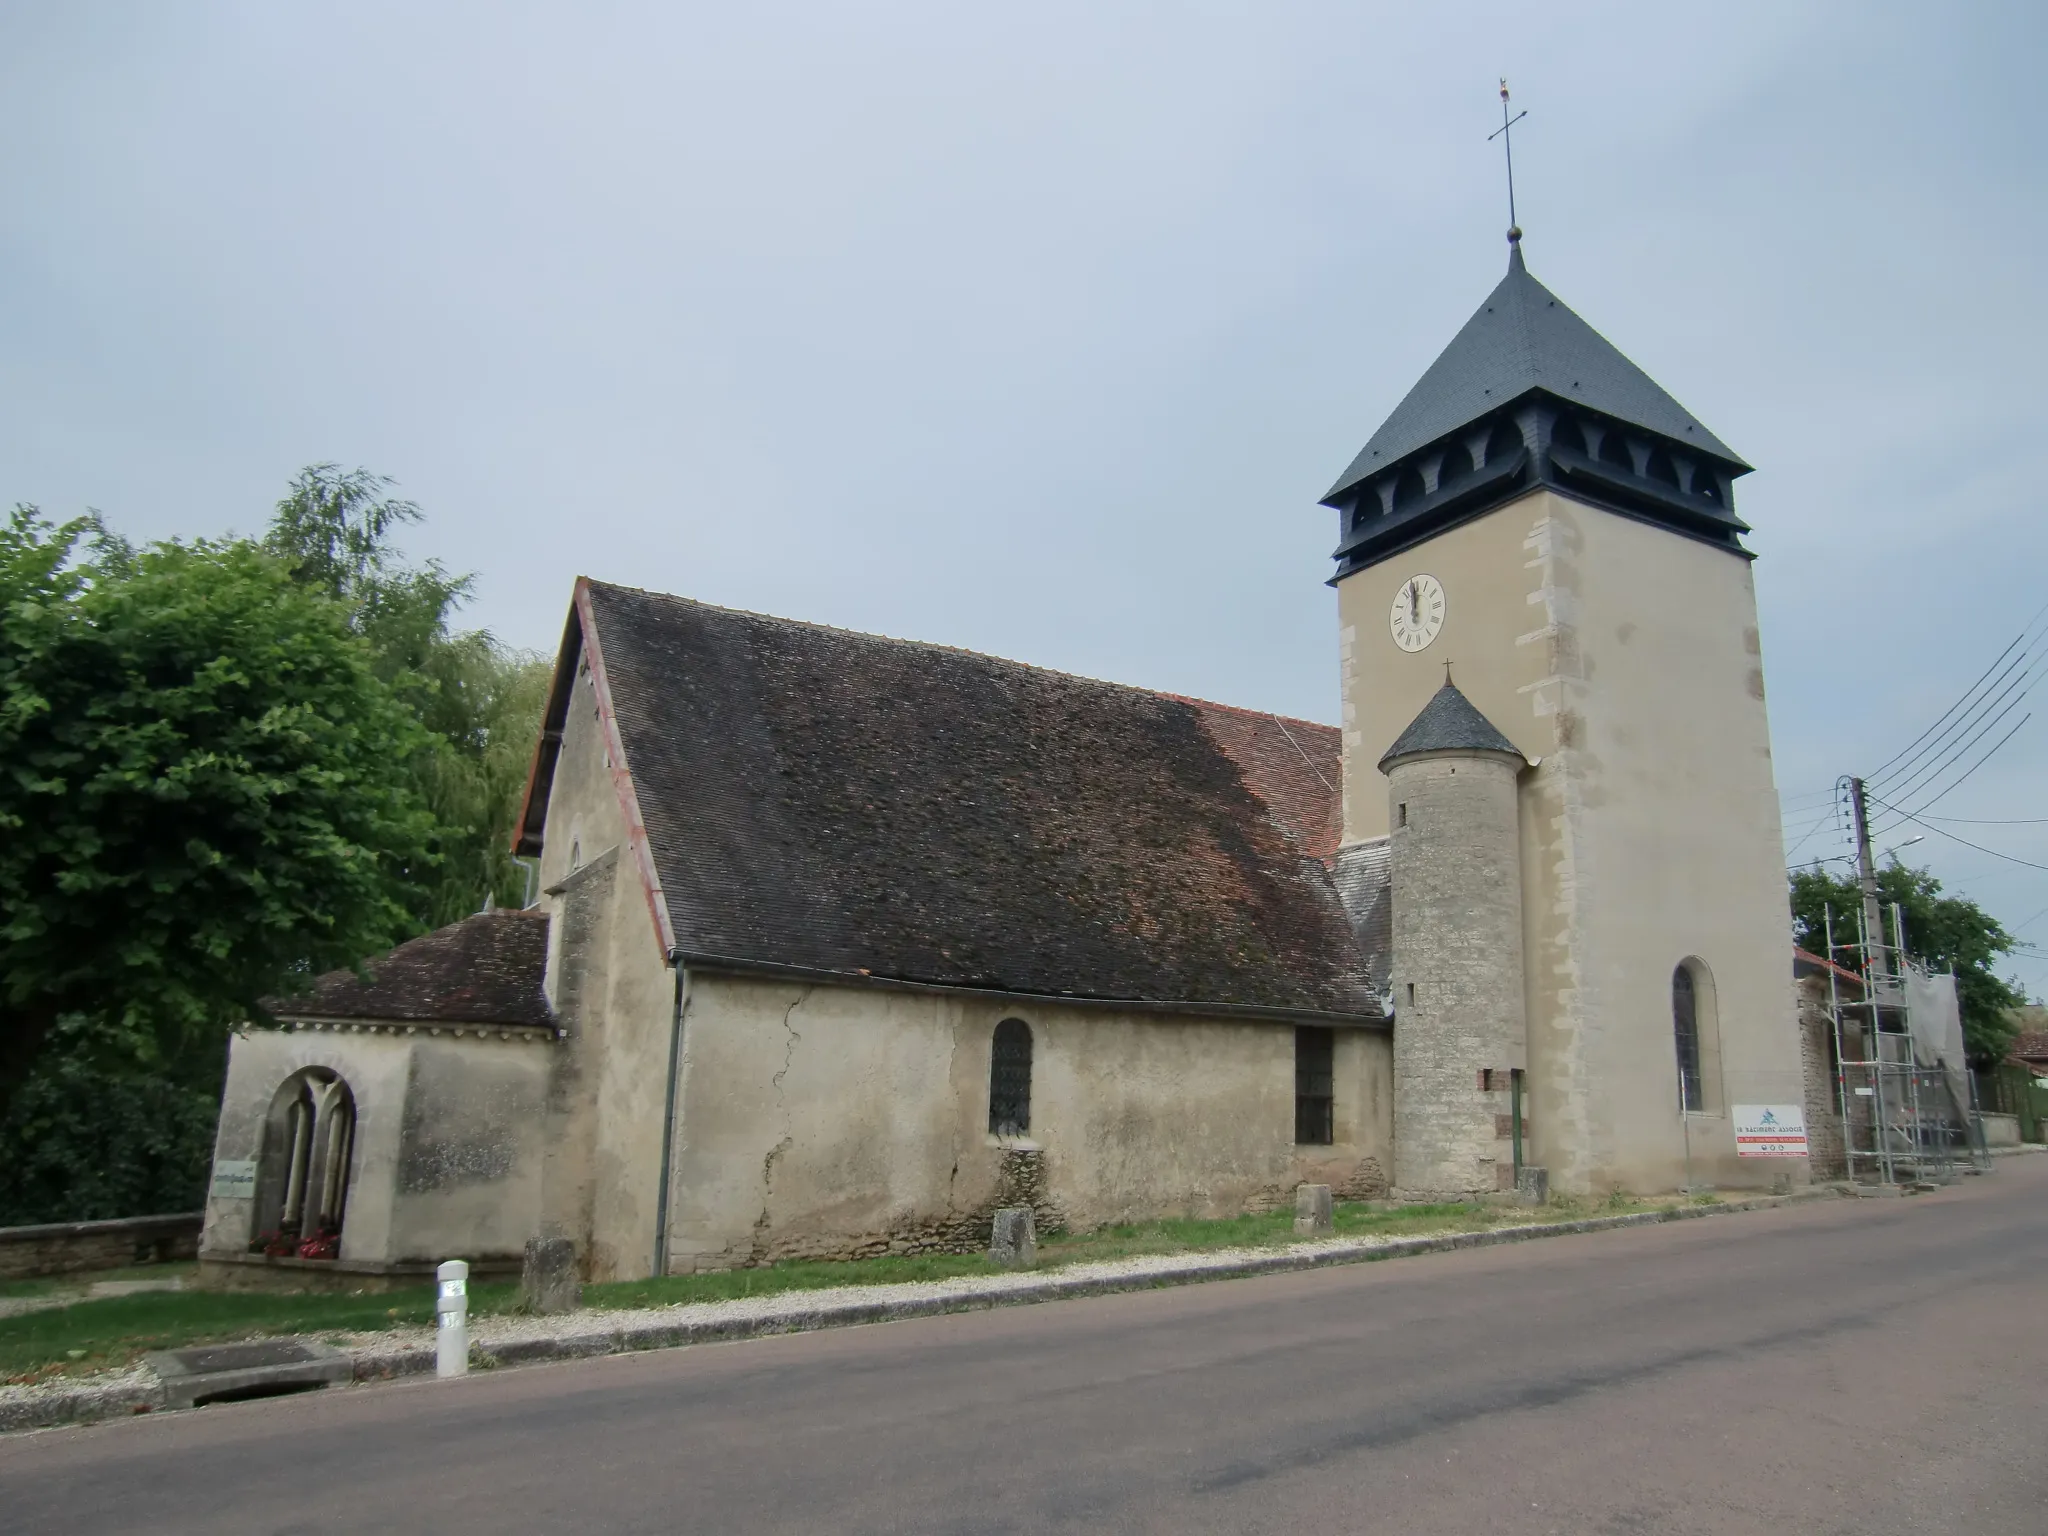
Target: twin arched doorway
302, 1179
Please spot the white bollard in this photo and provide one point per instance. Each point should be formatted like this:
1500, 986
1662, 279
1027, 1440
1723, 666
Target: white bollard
451, 1308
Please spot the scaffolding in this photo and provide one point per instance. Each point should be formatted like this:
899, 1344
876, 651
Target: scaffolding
1903, 1121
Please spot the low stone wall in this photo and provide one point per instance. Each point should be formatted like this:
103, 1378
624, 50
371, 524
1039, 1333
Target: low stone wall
2001, 1130
69, 1247
259, 1272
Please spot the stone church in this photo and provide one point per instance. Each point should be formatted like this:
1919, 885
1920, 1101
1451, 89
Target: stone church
844, 942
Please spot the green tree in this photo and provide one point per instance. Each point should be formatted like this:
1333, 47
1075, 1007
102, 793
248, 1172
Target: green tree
481, 701
1943, 932
205, 790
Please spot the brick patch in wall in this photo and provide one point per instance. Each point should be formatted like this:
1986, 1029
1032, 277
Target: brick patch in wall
1020, 1181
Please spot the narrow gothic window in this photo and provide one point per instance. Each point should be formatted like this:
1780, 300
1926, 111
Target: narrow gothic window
1315, 1085
1685, 1027
1009, 1080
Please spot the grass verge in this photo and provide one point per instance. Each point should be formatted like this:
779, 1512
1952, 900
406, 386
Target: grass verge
113, 1331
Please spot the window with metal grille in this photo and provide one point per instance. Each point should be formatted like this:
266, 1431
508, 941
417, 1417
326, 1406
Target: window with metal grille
1685, 1027
1009, 1080
1315, 1085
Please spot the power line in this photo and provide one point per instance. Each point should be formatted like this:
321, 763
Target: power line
1826, 816
2029, 863
1978, 821
1811, 796
1955, 784
1964, 702
1972, 729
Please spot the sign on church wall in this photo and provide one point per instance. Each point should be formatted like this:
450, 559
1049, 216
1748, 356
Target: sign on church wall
234, 1180
1770, 1130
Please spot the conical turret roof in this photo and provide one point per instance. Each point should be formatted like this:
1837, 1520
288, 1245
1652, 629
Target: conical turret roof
1449, 722
1524, 337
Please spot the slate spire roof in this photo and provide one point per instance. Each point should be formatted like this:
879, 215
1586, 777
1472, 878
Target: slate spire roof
1524, 337
1529, 395
1449, 722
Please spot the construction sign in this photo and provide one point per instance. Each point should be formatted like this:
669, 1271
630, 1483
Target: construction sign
1770, 1130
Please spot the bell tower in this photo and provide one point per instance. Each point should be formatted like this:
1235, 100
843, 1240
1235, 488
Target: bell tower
1540, 512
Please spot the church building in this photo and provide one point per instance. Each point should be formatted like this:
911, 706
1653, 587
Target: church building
845, 942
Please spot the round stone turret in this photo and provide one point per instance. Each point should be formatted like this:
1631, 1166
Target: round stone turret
1459, 1014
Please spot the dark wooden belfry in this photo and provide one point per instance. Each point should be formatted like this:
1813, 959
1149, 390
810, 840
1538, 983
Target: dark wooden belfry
1528, 394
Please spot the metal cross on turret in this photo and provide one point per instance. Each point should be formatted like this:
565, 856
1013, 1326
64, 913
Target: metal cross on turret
1507, 139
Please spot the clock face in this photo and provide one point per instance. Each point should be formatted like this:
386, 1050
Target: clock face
1418, 612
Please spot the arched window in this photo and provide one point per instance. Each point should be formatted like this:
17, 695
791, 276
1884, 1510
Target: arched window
1662, 469
1685, 1028
1696, 1036
1566, 434
302, 1181
1455, 465
1009, 1080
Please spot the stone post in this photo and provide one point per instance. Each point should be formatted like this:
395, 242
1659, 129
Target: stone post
1312, 1216
547, 1282
1013, 1239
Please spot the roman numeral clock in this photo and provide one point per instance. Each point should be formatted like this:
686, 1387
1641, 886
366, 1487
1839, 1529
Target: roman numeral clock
1418, 612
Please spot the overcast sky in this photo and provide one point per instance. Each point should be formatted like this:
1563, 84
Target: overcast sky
1040, 330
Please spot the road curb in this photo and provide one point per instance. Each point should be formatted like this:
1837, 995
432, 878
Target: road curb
138, 1392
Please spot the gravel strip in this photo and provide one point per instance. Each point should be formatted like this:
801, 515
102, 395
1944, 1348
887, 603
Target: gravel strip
518, 1340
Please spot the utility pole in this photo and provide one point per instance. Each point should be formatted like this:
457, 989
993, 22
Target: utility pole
1866, 876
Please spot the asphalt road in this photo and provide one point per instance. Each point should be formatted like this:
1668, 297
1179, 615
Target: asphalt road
1843, 1366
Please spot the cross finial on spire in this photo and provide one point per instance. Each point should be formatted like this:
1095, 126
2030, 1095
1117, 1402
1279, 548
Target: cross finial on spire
1447, 672
1508, 143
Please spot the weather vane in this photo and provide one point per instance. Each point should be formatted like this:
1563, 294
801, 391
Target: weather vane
1508, 143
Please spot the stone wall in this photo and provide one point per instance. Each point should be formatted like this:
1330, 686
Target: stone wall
833, 1122
1626, 660
611, 984
1826, 1153
72, 1247
1457, 971
446, 1156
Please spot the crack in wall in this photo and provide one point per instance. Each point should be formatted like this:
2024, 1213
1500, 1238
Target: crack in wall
953, 1177
782, 1107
